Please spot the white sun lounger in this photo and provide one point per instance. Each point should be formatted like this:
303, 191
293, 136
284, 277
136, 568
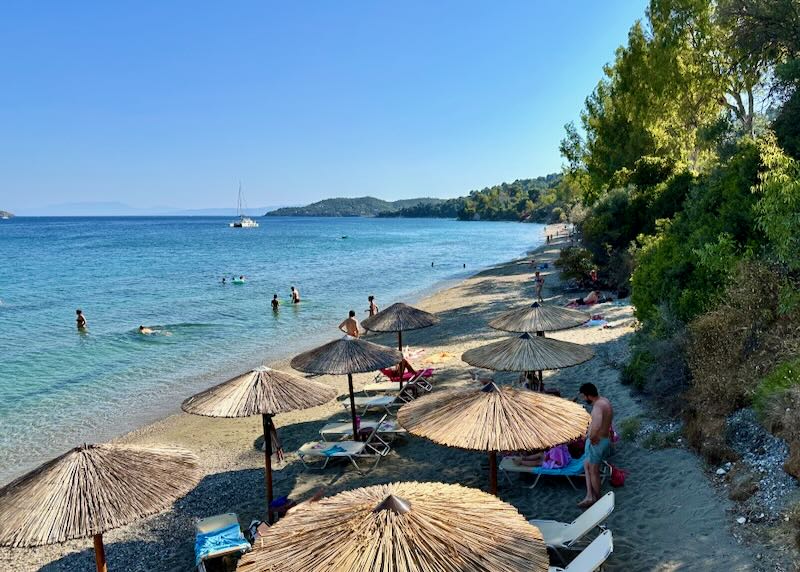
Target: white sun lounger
373, 448
218, 536
574, 470
364, 404
592, 557
564, 535
418, 380
344, 429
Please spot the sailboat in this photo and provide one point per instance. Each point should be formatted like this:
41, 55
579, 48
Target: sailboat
244, 221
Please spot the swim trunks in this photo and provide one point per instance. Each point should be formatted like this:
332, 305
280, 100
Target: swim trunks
596, 454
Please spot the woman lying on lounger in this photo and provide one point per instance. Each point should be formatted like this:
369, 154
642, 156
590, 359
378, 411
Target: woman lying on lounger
554, 458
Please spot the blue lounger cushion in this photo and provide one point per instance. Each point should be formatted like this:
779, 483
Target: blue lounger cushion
229, 538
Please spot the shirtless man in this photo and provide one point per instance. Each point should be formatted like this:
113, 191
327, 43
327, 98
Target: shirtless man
350, 325
275, 302
295, 295
145, 331
373, 307
598, 441
80, 321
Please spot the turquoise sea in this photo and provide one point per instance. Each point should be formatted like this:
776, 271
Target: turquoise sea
59, 387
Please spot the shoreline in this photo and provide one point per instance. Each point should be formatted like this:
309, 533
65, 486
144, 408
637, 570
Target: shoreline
667, 489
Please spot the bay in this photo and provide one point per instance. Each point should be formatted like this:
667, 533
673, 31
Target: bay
60, 387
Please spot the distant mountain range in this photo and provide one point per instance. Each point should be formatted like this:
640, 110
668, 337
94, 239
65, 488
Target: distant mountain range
360, 206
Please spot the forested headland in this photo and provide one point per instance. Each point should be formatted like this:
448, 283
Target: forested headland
685, 162
543, 199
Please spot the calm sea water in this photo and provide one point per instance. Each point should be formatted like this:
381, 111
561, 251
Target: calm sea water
59, 387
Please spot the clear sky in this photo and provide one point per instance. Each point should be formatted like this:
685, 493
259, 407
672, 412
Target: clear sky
172, 103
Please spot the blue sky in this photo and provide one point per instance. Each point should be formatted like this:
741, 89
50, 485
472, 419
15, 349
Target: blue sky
172, 103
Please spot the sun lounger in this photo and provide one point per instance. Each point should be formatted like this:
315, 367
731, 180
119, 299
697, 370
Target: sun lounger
373, 448
391, 374
418, 381
592, 557
573, 470
218, 536
559, 535
364, 404
344, 429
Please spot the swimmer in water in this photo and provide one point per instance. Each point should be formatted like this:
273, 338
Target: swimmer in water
275, 303
350, 325
223, 280
80, 320
295, 295
145, 331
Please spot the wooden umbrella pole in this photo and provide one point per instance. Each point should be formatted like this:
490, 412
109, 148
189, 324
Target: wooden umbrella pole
493, 472
267, 423
400, 368
100, 553
352, 406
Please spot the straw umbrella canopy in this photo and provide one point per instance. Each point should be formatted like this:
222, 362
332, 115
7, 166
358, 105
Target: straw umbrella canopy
90, 490
400, 318
539, 318
528, 353
401, 527
262, 391
494, 419
346, 356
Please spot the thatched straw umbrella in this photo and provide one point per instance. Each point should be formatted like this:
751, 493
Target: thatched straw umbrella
528, 353
400, 318
401, 527
539, 318
347, 355
90, 490
494, 419
262, 391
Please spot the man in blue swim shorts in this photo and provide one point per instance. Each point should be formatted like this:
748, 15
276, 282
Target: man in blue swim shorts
598, 441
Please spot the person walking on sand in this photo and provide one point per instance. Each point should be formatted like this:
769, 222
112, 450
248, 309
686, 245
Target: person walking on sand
350, 325
598, 441
80, 320
295, 295
538, 281
373, 307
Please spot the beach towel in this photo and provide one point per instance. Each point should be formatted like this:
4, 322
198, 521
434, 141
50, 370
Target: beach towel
333, 450
556, 458
407, 375
573, 469
596, 324
228, 538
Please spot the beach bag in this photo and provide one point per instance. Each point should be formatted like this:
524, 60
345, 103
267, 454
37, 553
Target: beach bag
617, 475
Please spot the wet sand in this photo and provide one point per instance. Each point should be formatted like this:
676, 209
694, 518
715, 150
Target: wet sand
667, 517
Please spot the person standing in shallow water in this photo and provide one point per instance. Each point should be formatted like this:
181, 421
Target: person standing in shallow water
373, 307
80, 320
295, 295
350, 325
598, 441
275, 302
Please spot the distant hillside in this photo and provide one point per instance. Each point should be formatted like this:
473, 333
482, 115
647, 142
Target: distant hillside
361, 206
6, 214
543, 199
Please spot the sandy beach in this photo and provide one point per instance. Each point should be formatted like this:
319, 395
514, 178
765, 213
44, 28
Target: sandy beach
668, 517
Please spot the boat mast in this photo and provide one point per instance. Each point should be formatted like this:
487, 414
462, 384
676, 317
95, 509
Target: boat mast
239, 203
